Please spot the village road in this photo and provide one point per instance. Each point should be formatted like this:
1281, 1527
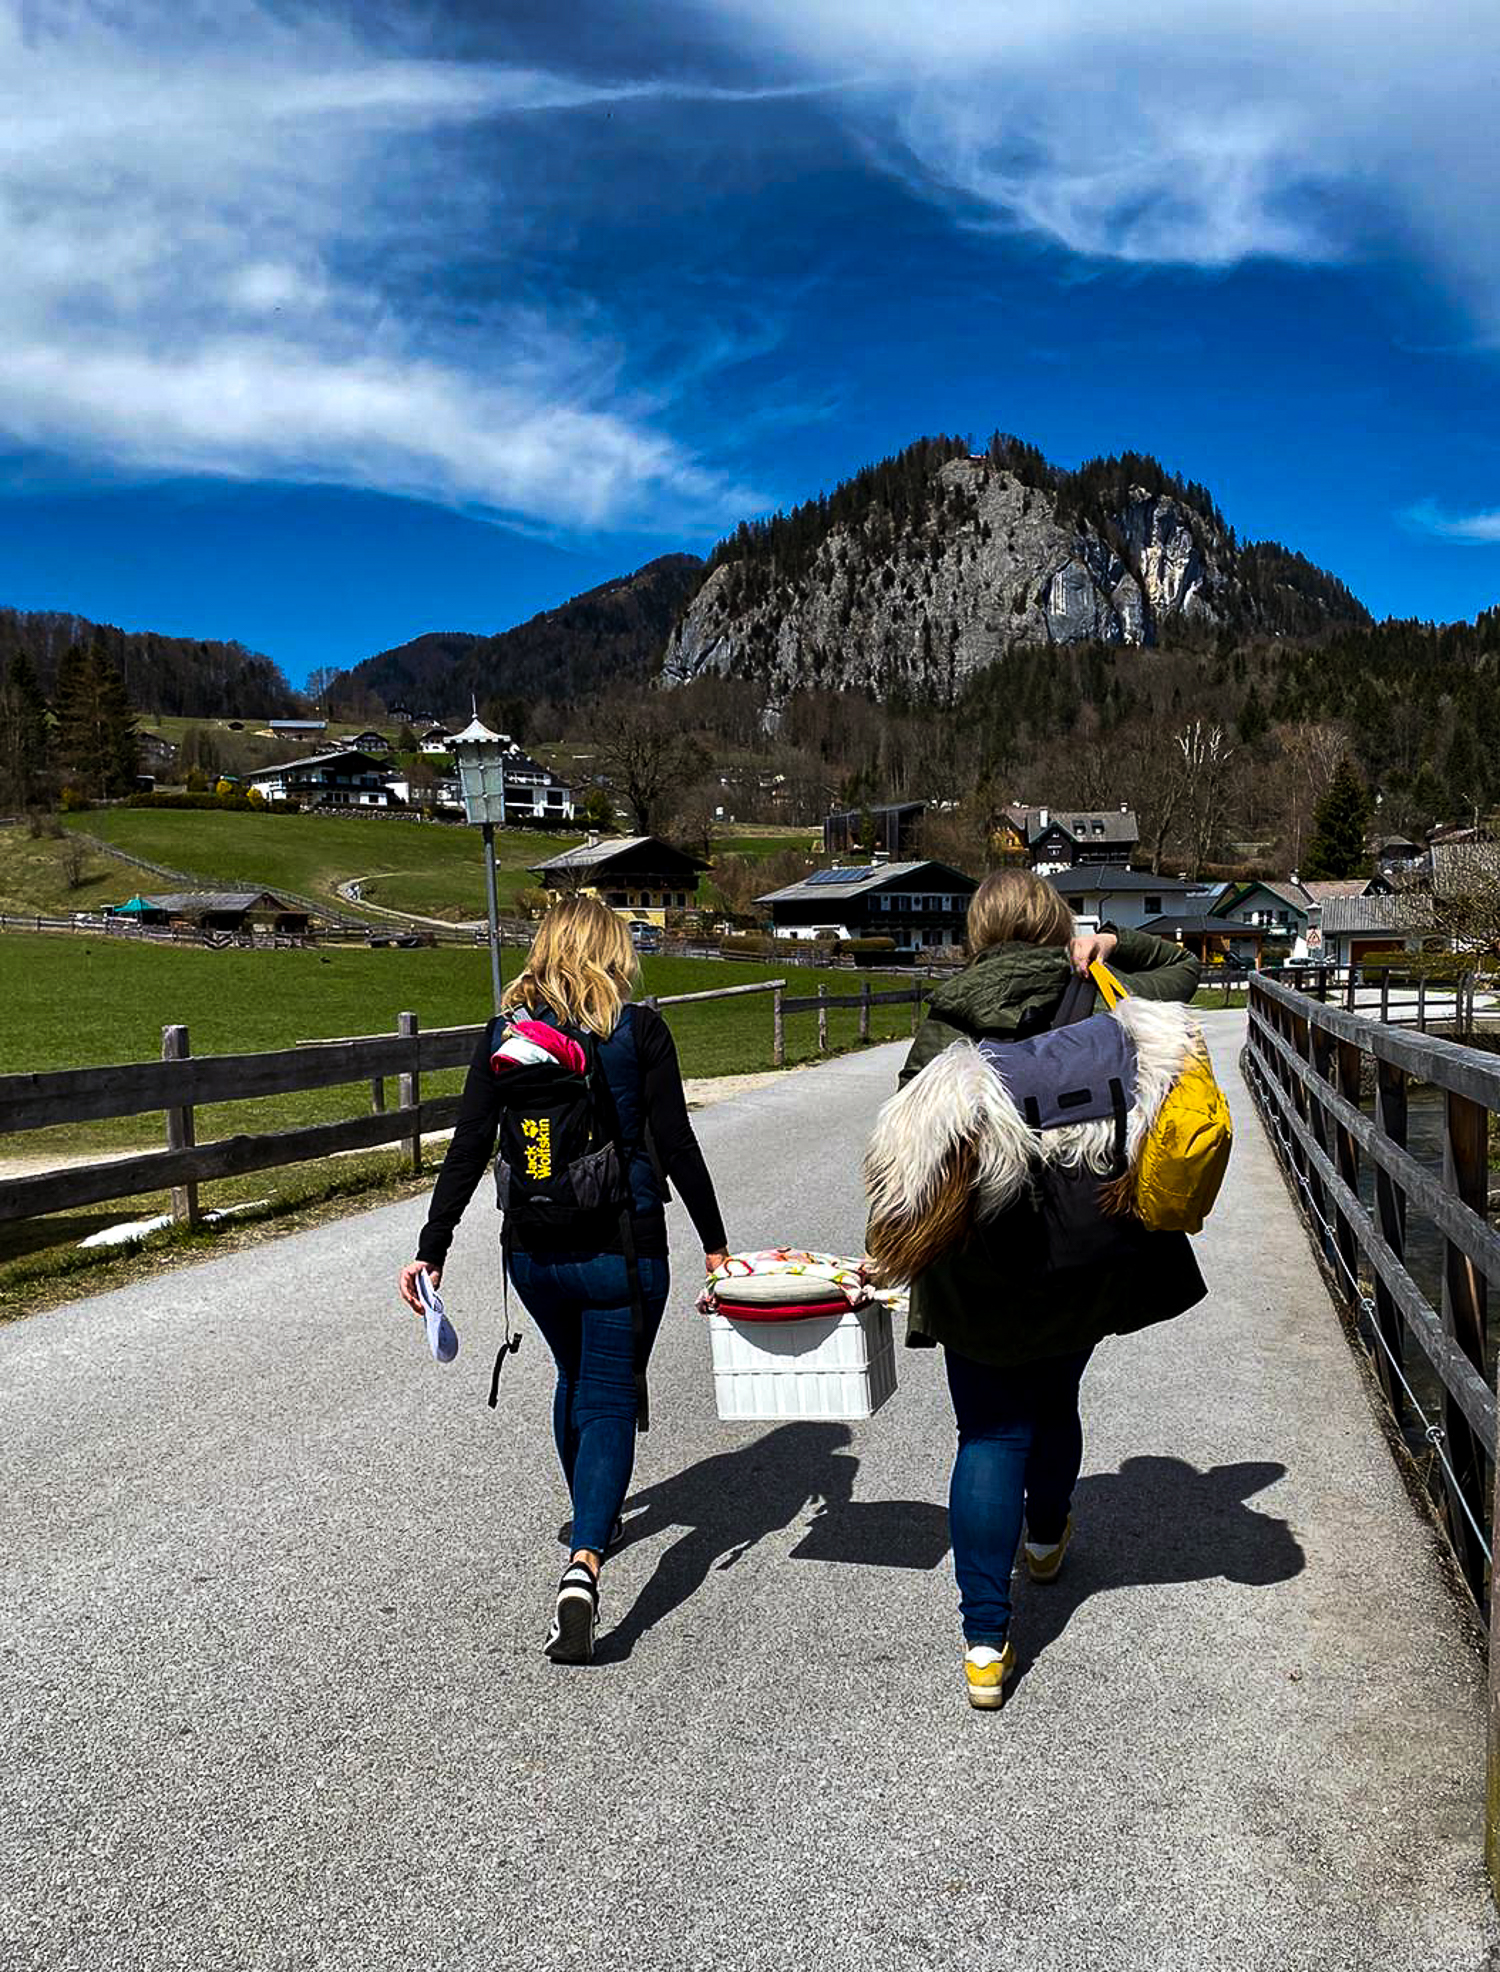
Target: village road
271, 1693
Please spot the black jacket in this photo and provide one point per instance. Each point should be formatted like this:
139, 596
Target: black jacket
641, 1053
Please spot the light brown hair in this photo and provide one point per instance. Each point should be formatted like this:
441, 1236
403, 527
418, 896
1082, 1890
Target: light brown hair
582, 966
1017, 907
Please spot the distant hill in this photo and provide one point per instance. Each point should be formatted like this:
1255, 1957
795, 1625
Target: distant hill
614, 632
926, 569
174, 677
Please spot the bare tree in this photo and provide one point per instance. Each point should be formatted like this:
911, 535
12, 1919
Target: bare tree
1459, 900
1311, 750
643, 757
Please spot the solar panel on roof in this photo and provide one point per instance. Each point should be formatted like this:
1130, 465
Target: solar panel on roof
840, 876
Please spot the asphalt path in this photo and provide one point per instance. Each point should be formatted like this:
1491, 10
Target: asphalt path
272, 1697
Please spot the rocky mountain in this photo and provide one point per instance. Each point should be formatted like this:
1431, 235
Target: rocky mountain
927, 568
612, 633
167, 677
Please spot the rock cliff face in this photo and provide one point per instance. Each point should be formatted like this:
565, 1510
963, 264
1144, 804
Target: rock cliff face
987, 562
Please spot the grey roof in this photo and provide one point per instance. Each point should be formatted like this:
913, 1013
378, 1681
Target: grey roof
1118, 825
1460, 866
1355, 914
1320, 889
863, 877
222, 900
314, 760
1218, 927
587, 853
1107, 876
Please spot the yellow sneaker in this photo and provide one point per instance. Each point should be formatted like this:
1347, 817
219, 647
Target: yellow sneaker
985, 1672
1042, 1563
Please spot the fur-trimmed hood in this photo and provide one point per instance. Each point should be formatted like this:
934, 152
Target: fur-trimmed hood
955, 1144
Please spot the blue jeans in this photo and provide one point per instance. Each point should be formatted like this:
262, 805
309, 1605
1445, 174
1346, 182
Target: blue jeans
581, 1305
1020, 1447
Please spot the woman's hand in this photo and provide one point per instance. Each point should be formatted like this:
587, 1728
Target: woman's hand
1091, 948
409, 1283
713, 1261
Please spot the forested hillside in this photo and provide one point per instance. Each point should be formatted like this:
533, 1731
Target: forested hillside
165, 677
609, 636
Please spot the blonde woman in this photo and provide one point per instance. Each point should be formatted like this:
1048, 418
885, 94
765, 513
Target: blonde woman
1016, 1344
598, 1309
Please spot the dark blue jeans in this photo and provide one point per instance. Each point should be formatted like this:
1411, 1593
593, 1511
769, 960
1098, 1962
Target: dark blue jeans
1020, 1447
581, 1305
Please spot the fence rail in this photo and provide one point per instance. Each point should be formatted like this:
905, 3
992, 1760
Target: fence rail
181, 1084
1396, 996
1312, 1067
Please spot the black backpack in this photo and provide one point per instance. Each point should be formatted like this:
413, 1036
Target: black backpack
562, 1167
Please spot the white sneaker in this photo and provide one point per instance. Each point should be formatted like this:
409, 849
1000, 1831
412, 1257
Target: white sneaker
1042, 1563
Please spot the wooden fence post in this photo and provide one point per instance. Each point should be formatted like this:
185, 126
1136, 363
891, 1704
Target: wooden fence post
822, 1018
1385, 996
1351, 989
864, 1008
1422, 1002
174, 1047
377, 1095
778, 1030
916, 1006
1465, 1308
411, 1094
1390, 1214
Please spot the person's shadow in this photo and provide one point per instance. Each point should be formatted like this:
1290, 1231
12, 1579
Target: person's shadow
727, 1503
1154, 1522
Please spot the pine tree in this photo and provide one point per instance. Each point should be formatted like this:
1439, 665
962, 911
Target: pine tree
25, 737
96, 743
1336, 847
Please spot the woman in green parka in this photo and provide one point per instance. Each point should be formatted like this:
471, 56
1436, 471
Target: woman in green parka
1015, 1351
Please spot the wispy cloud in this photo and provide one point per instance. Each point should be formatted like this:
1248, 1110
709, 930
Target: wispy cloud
223, 230
1308, 130
1473, 530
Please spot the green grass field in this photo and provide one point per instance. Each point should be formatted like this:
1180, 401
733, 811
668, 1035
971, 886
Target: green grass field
34, 876
78, 1001
437, 868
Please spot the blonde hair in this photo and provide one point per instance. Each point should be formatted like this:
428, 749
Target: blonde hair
581, 967
1017, 907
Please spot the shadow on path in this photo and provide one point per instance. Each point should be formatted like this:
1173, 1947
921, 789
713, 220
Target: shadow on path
1158, 1521
729, 1502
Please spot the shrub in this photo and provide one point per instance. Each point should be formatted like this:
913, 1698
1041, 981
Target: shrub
747, 944
73, 801
867, 948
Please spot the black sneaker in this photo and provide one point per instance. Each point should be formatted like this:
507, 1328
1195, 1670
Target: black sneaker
576, 1618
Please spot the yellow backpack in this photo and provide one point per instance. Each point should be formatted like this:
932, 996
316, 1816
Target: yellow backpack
1181, 1164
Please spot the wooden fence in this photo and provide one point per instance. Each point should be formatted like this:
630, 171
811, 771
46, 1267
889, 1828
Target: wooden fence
1333, 1088
1393, 995
182, 1083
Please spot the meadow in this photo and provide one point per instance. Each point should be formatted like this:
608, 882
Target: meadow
435, 868
79, 1001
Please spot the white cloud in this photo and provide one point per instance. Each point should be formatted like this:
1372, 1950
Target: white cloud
1310, 130
218, 232
1475, 530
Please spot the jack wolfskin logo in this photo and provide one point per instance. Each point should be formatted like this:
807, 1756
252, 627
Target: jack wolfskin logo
537, 1130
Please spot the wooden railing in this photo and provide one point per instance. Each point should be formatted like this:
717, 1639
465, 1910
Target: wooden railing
182, 1083
1333, 1088
1394, 995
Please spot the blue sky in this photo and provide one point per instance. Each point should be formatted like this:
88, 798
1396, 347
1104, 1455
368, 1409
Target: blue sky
327, 326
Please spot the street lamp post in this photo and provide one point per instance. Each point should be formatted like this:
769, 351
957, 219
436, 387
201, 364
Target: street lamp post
480, 756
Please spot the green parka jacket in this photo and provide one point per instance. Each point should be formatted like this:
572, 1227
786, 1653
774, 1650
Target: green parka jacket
969, 1300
